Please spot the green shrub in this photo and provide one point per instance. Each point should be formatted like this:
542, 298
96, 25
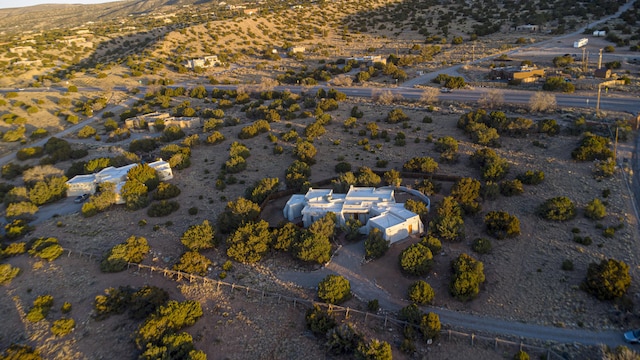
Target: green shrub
135, 194
448, 223
423, 164
531, 177
567, 265
29, 153
62, 327
166, 191
163, 208
433, 243
168, 319
420, 292
468, 275
133, 250
66, 307
334, 289
20, 352
481, 246
416, 260
559, 208
374, 349
319, 321
199, 237
521, 355
16, 229
466, 192
511, 187
262, 189
595, 210
40, 309
501, 224
14, 249
7, 273
193, 262
342, 339
46, 248
608, 280
86, 132
592, 147
249, 242
373, 306
430, 325
343, 167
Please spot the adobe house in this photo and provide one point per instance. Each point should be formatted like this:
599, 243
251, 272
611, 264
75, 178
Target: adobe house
374, 207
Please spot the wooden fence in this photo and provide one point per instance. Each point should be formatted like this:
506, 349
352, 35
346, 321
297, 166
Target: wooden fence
383, 319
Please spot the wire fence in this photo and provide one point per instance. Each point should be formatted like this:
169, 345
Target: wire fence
381, 320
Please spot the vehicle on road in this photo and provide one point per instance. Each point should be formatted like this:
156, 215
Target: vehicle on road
445, 90
81, 198
632, 336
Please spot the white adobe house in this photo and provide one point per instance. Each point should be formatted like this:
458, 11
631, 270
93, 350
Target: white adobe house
374, 207
87, 184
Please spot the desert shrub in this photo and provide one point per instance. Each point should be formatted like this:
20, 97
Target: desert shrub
49, 190
334, 289
29, 153
40, 309
559, 208
144, 174
466, 192
343, 167
237, 213
133, 250
433, 243
567, 265
416, 260
163, 208
261, 189
604, 168
375, 246
193, 262
549, 127
420, 292
607, 280
13, 249
423, 164
319, 321
249, 242
7, 273
448, 223
62, 327
22, 210
313, 247
427, 186
417, 207
481, 246
557, 83
86, 132
135, 195
468, 275
167, 319
16, 229
166, 191
374, 349
199, 237
531, 177
46, 248
66, 307
592, 147
521, 355
411, 314
297, 175
595, 210
342, 339
501, 224
430, 325
286, 236
511, 187
215, 138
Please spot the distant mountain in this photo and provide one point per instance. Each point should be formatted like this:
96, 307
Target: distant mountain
46, 17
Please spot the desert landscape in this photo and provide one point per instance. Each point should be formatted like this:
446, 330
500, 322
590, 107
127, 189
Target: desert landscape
90, 89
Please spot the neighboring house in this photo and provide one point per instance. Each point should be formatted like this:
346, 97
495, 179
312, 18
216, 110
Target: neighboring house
528, 27
81, 184
296, 49
522, 73
602, 73
374, 207
369, 60
204, 62
87, 184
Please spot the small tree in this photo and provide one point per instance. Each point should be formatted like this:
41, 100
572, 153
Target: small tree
420, 292
430, 325
237, 213
468, 274
313, 248
374, 350
249, 242
608, 280
199, 237
319, 321
334, 289
375, 246
133, 250
559, 208
595, 210
466, 192
448, 223
193, 262
501, 224
416, 260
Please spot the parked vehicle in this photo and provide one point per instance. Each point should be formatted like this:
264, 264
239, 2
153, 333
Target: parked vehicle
632, 336
445, 90
81, 198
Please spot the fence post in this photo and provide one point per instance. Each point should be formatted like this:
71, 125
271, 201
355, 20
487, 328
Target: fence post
496, 345
449, 331
262, 298
294, 302
385, 319
365, 317
247, 291
472, 337
233, 286
346, 316
218, 288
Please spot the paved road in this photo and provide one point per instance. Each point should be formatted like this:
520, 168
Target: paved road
347, 262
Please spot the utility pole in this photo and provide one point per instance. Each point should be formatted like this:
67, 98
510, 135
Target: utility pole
598, 102
600, 60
